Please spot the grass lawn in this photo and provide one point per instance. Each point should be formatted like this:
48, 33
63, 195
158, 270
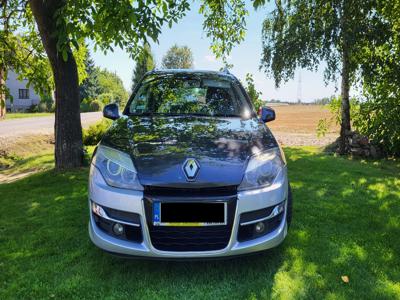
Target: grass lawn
10, 116
346, 222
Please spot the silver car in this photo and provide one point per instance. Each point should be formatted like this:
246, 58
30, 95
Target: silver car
188, 170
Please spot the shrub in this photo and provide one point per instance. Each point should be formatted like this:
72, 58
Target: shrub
47, 101
334, 107
85, 105
42, 107
94, 133
33, 108
95, 105
379, 120
105, 98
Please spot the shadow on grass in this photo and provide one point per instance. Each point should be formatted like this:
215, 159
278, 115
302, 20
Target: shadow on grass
21, 168
345, 223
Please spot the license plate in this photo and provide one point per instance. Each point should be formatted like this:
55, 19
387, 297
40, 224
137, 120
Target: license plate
189, 213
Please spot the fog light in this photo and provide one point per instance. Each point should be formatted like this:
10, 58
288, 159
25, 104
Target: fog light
259, 227
118, 229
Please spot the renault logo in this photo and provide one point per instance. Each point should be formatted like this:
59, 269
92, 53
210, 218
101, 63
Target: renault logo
191, 167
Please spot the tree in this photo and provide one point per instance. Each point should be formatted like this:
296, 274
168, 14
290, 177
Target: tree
378, 115
144, 63
21, 50
304, 33
252, 92
178, 58
89, 88
64, 25
111, 84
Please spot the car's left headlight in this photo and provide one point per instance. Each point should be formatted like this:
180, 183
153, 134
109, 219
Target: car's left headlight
117, 168
263, 169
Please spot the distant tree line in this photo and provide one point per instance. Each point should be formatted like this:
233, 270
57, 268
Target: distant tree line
100, 87
177, 57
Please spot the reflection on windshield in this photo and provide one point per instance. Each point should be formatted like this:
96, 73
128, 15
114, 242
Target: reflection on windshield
189, 96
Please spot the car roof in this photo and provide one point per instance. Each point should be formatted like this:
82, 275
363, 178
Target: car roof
224, 73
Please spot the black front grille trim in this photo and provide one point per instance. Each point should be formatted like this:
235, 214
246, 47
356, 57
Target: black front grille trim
131, 233
173, 238
256, 214
122, 215
247, 232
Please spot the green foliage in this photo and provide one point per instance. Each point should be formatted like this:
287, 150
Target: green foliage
255, 96
48, 101
89, 88
21, 48
379, 116
144, 63
105, 98
178, 58
224, 24
94, 133
304, 33
111, 83
39, 108
96, 105
85, 105
334, 107
124, 24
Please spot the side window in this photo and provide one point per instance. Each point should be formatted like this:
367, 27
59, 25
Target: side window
23, 94
139, 103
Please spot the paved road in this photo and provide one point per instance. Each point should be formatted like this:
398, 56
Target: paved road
40, 125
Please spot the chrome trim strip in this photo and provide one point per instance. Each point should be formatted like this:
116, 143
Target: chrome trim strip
105, 216
273, 213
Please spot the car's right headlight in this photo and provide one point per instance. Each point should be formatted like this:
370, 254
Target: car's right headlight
263, 169
117, 168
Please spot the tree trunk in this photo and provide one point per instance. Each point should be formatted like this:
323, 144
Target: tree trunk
68, 129
345, 125
2, 94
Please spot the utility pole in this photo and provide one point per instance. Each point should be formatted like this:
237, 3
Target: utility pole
299, 88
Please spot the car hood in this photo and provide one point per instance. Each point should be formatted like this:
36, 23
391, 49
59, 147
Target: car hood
159, 147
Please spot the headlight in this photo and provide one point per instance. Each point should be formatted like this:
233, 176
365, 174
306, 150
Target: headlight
262, 170
117, 168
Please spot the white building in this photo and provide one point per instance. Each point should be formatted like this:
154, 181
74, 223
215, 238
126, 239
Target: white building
23, 95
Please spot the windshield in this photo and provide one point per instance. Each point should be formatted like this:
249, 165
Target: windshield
183, 95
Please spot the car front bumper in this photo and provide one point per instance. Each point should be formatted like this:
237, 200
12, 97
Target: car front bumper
133, 201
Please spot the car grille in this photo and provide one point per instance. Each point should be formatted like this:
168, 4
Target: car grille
177, 238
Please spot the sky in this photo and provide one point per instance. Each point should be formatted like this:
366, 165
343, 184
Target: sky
245, 58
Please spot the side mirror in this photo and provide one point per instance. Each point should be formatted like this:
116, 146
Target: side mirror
267, 114
111, 111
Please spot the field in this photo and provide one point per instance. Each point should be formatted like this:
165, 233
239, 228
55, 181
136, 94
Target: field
296, 125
